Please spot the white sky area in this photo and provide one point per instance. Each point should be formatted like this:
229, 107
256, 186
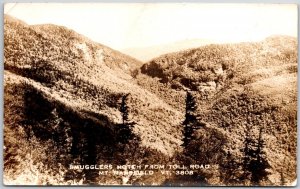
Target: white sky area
127, 25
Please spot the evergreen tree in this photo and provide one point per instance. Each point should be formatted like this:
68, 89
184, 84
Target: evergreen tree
259, 164
124, 109
248, 154
128, 144
125, 128
255, 163
193, 153
229, 170
190, 124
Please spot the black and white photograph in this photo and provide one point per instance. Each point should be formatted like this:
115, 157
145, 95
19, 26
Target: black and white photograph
150, 94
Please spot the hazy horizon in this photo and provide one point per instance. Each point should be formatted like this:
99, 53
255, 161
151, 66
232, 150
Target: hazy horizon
147, 53
128, 27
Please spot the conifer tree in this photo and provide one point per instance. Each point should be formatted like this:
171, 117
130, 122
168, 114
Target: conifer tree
255, 163
190, 124
192, 153
248, 154
259, 164
128, 144
229, 169
124, 109
125, 128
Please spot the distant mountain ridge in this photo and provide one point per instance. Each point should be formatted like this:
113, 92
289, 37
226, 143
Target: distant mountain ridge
147, 53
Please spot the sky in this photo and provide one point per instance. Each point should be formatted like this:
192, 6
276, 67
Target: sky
135, 25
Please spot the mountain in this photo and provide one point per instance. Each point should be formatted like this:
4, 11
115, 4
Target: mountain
81, 73
240, 88
63, 92
147, 53
50, 69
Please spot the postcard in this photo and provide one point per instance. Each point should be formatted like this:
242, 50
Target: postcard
150, 94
